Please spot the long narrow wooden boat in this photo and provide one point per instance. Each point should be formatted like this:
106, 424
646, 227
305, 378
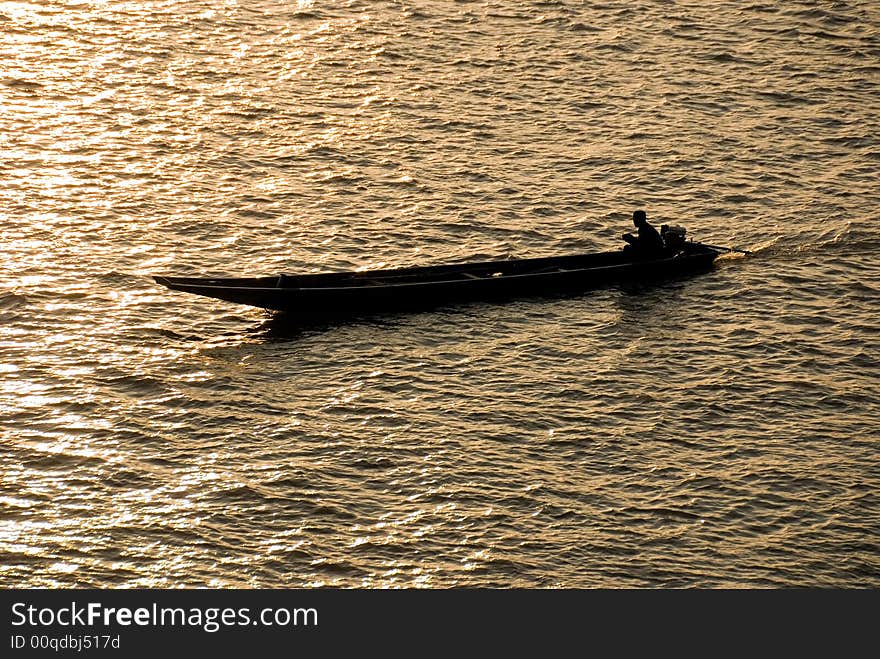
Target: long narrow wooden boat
343, 293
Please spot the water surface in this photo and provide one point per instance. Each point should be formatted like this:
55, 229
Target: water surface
714, 431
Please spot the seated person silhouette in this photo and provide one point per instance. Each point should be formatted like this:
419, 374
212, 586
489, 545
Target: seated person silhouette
648, 241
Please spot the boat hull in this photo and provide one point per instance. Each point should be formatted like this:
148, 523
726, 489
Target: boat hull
335, 294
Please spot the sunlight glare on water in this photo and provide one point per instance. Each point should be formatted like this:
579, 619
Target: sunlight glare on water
715, 431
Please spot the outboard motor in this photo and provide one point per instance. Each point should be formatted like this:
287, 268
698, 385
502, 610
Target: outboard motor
673, 236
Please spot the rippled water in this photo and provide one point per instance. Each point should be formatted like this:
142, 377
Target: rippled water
717, 431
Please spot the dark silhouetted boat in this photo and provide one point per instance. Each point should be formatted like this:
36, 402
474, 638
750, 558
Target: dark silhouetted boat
359, 292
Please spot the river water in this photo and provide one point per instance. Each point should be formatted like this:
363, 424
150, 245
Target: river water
715, 431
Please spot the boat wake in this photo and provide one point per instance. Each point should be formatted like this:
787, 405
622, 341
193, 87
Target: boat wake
850, 240
847, 240
733, 256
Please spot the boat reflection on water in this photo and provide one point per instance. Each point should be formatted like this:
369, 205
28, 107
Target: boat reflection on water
291, 327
